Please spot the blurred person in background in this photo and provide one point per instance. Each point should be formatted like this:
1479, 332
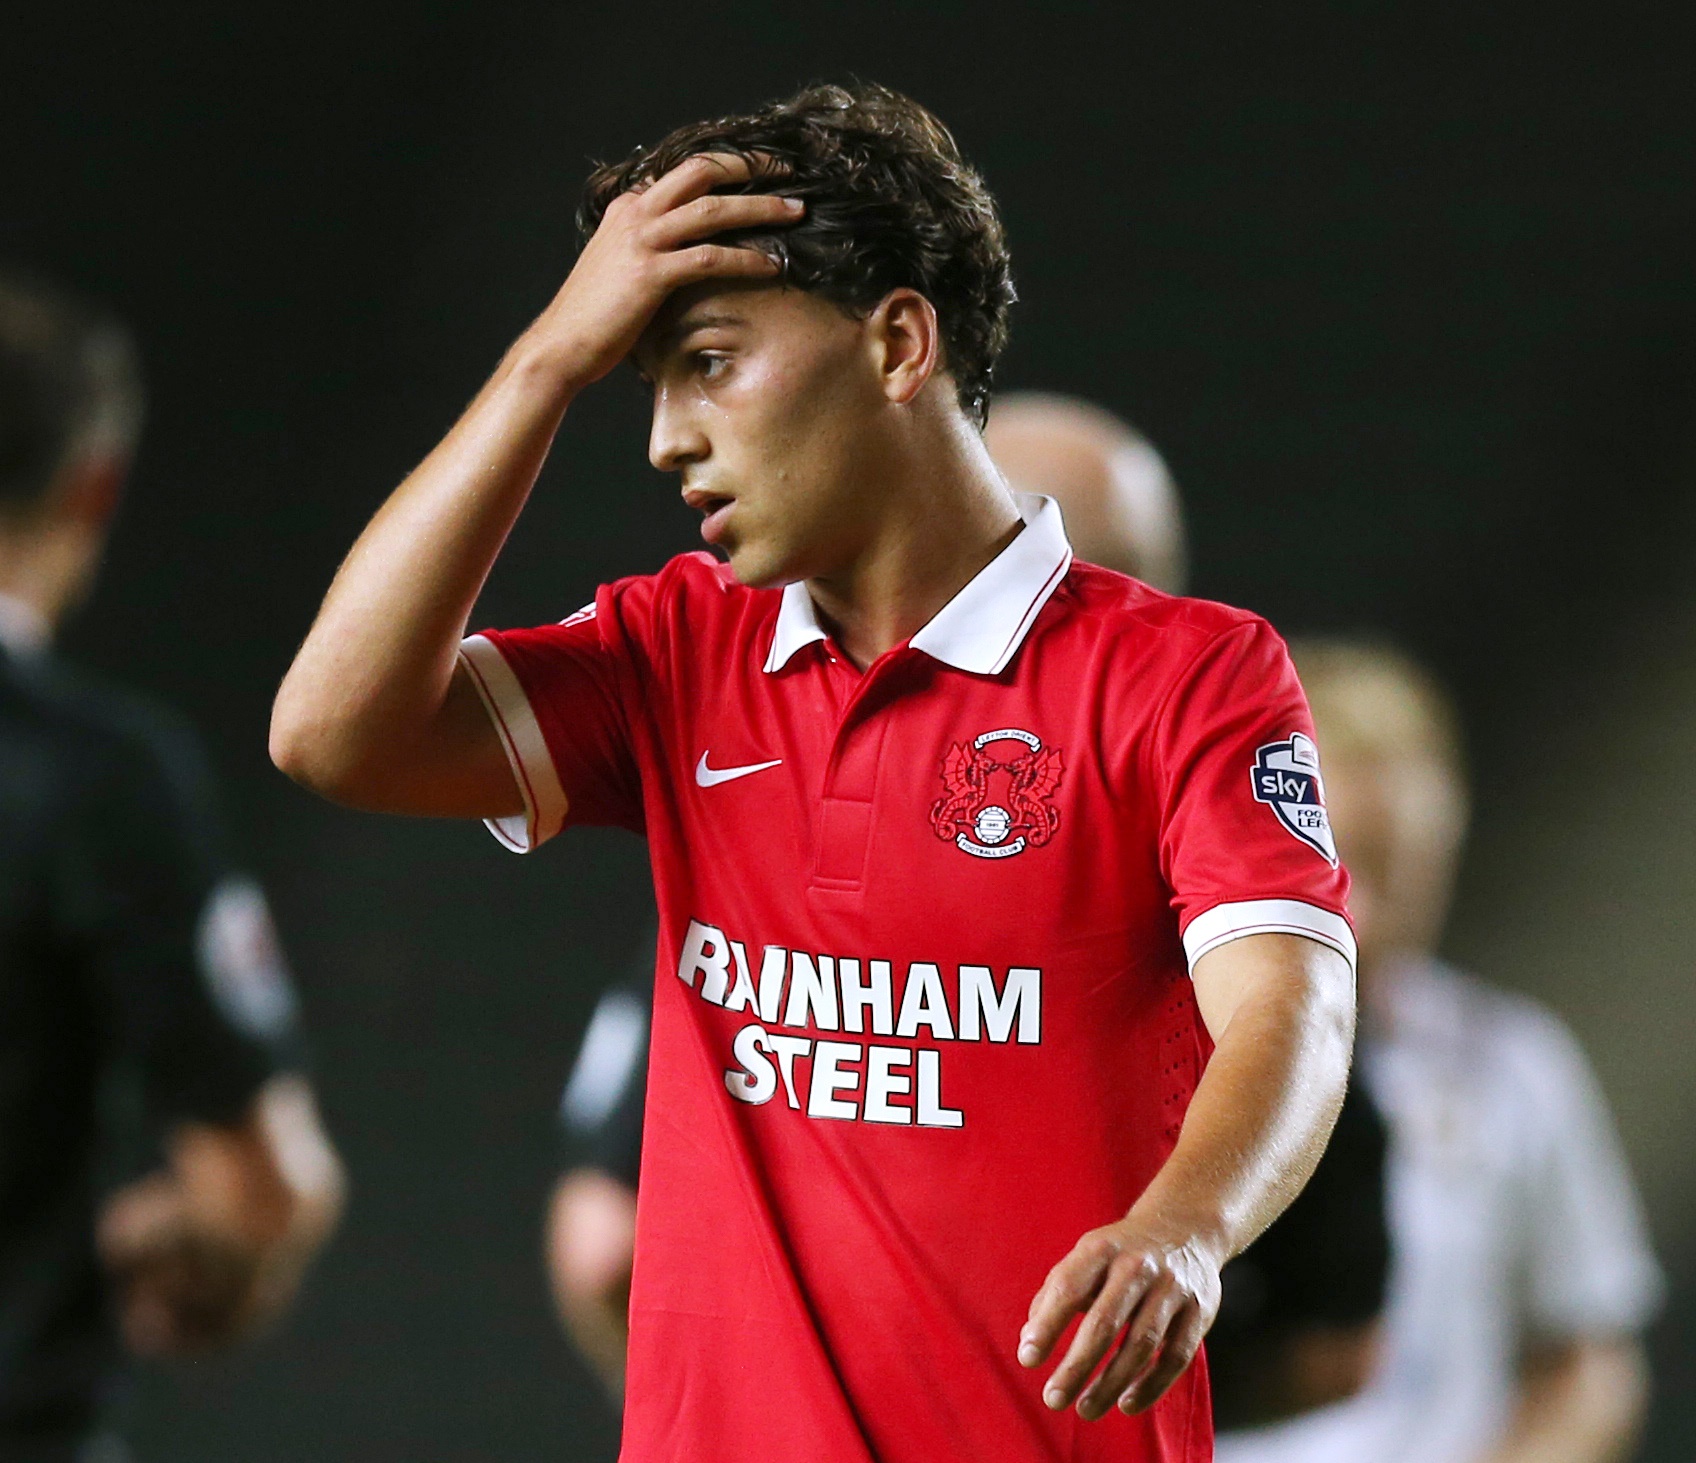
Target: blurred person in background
1300, 1306
1521, 1276
590, 1240
164, 1179
1117, 495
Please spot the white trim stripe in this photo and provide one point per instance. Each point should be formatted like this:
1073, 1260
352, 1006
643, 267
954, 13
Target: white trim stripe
526, 749
1226, 922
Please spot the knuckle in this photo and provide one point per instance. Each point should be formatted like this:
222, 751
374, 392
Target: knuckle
1131, 1266
1099, 1246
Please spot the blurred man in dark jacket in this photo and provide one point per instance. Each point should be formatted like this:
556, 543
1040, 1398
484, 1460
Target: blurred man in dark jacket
164, 1179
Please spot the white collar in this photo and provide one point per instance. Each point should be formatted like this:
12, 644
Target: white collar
23, 631
981, 628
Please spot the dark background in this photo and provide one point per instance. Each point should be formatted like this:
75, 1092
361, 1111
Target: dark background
1404, 292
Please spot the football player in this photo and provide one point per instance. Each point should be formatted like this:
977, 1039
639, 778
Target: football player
1007, 979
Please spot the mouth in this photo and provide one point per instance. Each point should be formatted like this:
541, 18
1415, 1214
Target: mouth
715, 508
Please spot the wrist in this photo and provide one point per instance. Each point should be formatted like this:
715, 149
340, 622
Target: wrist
1201, 1230
543, 360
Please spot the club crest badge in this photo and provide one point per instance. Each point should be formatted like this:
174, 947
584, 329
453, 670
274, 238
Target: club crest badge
998, 792
1286, 778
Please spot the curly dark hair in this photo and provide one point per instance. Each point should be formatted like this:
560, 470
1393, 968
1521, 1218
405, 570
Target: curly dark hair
890, 204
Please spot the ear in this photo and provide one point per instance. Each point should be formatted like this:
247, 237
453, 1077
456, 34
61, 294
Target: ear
908, 343
88, 490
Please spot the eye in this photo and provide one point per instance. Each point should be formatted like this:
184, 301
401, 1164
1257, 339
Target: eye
710, 365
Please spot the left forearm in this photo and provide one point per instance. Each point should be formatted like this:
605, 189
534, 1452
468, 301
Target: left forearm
1281, 1010
1265, 1107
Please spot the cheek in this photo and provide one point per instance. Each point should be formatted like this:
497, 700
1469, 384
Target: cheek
795, 418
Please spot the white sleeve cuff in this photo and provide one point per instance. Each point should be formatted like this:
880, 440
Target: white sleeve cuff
521, 735
1226, 922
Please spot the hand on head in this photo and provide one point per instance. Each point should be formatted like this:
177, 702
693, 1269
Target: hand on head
653, 241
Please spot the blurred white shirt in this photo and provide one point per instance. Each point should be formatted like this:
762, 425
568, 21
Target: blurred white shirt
1512, 1219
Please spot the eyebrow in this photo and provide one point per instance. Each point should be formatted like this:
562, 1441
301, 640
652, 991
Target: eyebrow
693, 321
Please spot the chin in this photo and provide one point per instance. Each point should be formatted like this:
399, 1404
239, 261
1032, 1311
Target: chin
758, 568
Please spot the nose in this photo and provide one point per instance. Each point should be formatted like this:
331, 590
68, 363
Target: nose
675, 438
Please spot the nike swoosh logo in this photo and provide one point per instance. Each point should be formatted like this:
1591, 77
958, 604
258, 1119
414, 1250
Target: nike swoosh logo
706, 776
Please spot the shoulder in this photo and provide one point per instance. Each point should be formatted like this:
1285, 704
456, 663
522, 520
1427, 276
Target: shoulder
695, 583
1129, 605
1179, 663
696, 575
1134, 617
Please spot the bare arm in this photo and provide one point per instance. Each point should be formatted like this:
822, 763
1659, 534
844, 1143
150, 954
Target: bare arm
215, 1244
374, 711
591, 1245
1581, 1402
1281, 1011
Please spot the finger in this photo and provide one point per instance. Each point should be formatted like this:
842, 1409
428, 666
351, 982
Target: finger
1183, 1340
1120, 1295
718, 261
1071, 1285
719, 212
702, 173
1145, 1334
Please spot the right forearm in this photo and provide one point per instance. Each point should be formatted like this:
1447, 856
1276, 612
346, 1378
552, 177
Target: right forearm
371, 712
376, 667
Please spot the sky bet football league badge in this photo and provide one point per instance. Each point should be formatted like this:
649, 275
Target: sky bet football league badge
1286, 779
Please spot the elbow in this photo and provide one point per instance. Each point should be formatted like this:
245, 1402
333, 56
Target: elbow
320, 1202
309, 747
292, 740
591, 1242
290, 754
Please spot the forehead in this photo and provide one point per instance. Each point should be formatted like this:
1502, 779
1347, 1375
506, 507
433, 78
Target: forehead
754, 305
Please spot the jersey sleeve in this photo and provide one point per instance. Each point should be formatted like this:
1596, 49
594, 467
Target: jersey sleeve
180, 956
564, 699
1588, 1269
1246, 845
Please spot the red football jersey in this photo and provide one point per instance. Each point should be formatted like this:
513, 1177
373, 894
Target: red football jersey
922, 1013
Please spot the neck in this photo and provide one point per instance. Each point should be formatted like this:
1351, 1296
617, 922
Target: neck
946, 513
